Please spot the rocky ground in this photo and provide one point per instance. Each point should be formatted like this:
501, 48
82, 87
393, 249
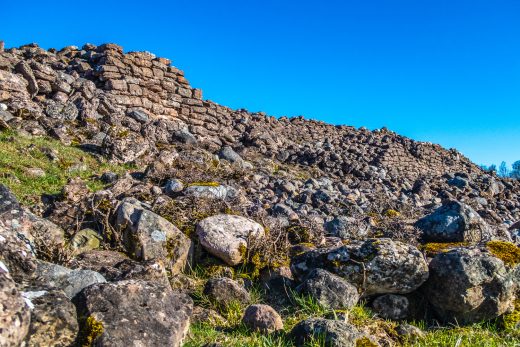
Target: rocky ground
135, 213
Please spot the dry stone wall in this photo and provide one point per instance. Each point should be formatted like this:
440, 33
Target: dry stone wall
107, 89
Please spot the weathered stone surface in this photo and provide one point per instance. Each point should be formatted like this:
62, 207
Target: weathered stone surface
454, 222
68, 280
376, 266
136, 313
468, 285
329, 290
85, 240
226, 236
148, 236
391, 306
221, 192
225, 290
53, 318
335, 333
341, 227
115, 266
262, 318
14, 312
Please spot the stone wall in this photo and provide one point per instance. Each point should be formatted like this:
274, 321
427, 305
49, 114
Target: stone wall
147, 96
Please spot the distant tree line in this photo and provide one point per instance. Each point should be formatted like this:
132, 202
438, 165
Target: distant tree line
504, 171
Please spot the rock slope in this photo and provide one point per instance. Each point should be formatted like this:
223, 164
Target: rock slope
237, 200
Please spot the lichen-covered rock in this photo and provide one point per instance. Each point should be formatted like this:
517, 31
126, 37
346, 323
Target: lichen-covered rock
262, 318
133, 313
85, 240
468, 285
333, 333
115, 266
375, 266
227, 236
14, 312
329, 290
24, 224
53, 318
391, 306
211, 191
454, 222
224, 291
68, 280
147, 236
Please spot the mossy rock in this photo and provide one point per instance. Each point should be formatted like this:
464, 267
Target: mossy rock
505, 251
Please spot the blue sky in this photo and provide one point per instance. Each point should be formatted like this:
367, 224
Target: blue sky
445, 71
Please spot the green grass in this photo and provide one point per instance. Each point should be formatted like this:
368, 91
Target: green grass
19, 153
476, 335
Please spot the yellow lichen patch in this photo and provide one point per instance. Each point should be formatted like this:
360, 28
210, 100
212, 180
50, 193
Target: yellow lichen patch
434, 248
365, 342
91, 331
204, 184
506, 251
392, 213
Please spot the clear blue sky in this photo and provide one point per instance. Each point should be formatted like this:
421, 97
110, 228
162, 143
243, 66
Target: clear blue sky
445, 71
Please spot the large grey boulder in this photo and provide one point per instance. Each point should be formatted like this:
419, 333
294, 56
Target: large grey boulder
134, 313
53, 318
14, 312
468, 285
375, 266
335, 333
148, 236
329, 290
454, 222
227, 236
68, 280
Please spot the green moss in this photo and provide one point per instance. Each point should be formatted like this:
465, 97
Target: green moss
433, 248
511, 321
506, 251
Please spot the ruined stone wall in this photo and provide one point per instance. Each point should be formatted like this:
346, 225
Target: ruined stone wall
149, 97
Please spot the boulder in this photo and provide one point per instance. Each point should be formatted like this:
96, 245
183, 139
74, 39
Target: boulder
374, 266
333, 333
115, 266
341, 227
85, 240
329, 290
468, 285
133, 313
227, 153
14, 312
68, 280
454, 222
262, 318
148, 236
53, 318
391, 306
219, 192
227, 236
224, 291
